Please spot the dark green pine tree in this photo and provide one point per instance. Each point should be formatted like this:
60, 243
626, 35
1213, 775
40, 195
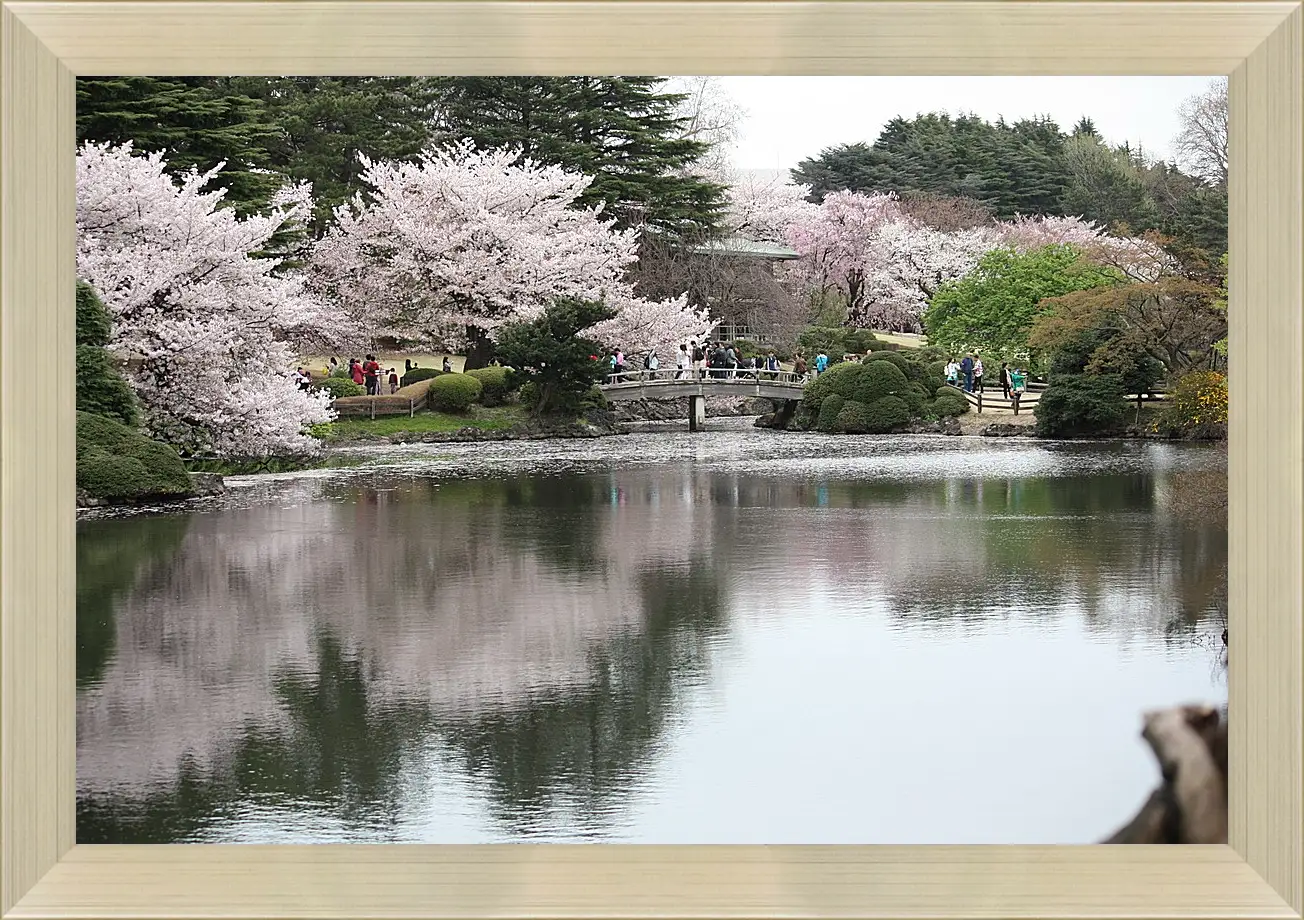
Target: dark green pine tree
621, 130
198, 124
326, 122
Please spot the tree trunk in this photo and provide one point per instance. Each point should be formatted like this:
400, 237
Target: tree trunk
1190, 805
479, 349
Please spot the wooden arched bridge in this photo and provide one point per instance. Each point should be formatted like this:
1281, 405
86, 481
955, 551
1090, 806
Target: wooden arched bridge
672, 383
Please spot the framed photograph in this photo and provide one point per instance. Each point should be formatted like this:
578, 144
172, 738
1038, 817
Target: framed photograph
65, 853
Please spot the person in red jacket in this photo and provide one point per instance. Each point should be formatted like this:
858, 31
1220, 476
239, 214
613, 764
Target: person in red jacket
371, 371
355, 371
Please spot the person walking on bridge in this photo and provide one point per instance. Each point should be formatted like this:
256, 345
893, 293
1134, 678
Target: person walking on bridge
966, 372
699, 358
977, 373
821, 363
682, 362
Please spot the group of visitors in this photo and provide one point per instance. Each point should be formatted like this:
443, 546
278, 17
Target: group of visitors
719, 360
967, 373
366, 373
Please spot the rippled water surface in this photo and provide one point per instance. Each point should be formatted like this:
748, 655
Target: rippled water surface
731, 637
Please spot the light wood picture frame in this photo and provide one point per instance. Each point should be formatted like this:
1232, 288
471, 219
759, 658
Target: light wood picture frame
45, 45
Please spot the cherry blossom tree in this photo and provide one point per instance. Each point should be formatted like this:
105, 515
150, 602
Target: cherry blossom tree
836, 244
203, 323
452, 247
908, 263
1140, 258
763, 207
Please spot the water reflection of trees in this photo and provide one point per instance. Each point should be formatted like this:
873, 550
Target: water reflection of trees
585, 746
543, 630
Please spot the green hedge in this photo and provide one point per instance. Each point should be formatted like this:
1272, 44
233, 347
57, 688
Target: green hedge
420, 373
496, 384
454, 392
340, 387
116, 462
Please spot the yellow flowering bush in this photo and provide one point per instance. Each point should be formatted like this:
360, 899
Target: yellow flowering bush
1197, 406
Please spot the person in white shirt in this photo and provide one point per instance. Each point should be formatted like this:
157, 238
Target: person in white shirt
977, 373
682, 361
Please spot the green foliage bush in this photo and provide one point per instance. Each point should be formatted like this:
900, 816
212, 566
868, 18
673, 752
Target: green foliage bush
814, 339
878, 379
496, 384
550, 351
419, 373
116, 462
594, 399
886, 414
101, 387
454, 392
340, 387
949, 403
94, 322
853, 418
829, 410
340, 372
1078, 405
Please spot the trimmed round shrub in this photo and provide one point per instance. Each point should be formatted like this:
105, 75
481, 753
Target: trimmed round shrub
339, 387
839, 378
852, 419
949, 404
886, 414
937, 369
454, 392
117, 462
829, 410
496, 384
419, 373
1078, 405
879, 379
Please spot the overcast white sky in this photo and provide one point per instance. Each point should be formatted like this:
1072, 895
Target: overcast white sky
791, 118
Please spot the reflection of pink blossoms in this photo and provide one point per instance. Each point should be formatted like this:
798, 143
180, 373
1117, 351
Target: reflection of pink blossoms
464, 238
204, 320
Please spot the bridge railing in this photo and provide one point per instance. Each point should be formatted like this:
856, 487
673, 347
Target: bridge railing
707, 375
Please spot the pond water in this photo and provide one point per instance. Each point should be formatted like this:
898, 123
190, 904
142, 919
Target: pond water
737, 636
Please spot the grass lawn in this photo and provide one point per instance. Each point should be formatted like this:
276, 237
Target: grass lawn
905, 341
354, 429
